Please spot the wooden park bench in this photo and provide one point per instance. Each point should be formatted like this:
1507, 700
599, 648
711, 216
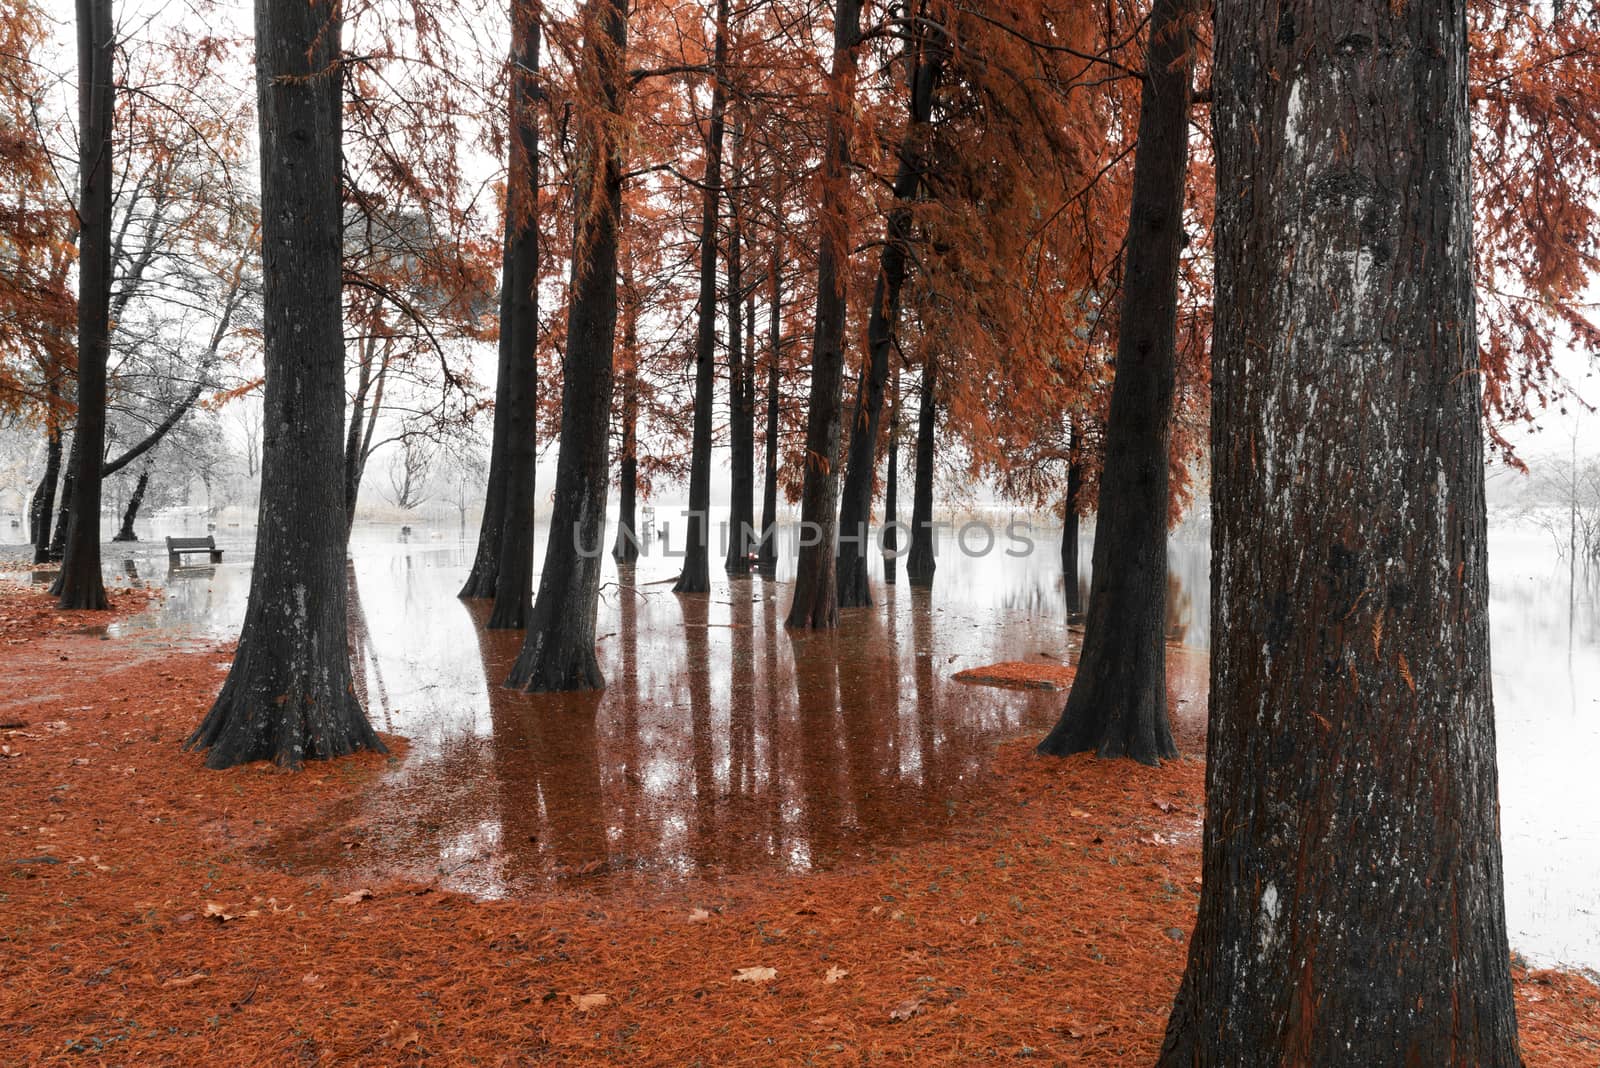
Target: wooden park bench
177, 547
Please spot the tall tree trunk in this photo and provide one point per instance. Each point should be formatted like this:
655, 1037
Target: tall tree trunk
44, 496
1118, 702
1069, 520
80, 584
69, 479
855, 514
289, 696
132, 513
1351, 910
558, 652
625, 550
696, 574
816, 599
921, 562
741, 414
513, 579
891, 484
767, 555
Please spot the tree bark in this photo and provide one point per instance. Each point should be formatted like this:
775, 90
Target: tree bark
44, 496
625, 550
558, 652
69, 479
696, 574
891, 484
1351, 910
741, 407
288, 697
519, 308
1118, 702
132, 513
767, 554
920, 561
855, 514
1069, 521
80, 584
816, 600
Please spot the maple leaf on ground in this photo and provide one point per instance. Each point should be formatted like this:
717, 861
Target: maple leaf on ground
754, 975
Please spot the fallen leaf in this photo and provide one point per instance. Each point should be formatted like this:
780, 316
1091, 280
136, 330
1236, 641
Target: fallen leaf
183, 980
698, 915
590, 1002
754, 975
354, 897
834, 974
1165, 806
225, 914
906, 1009
1079, 814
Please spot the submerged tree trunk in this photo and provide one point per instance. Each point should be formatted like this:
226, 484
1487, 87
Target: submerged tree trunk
43, 505
1118, 702
1351, 910
816, 599
696, 574
855, 510
767, 554
920, 562
741, 407
80, 584
1069, 520
288, 696
891, 484
132, 513
558, 652
519, 308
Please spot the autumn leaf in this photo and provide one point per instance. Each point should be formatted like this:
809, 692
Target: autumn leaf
699, 916
227, 914
834, 974
590, 1002
178, 982
906, 1009
354, 897
754, 975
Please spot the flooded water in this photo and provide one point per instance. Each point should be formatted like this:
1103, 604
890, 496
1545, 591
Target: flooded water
722, 744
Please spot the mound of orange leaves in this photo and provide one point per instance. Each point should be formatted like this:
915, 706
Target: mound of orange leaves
1020, 675
140, 927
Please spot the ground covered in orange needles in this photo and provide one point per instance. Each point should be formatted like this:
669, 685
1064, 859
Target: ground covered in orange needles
137, 925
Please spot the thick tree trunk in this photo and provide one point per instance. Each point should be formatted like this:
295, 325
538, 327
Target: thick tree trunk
625, 550
696, 574
741, 410
1351, 910
920, 561
1070, 509
816, 599
558, 652
519, 308
1118, 702
767, 554
891, 484
43, 505
132, 513
855, 511
80, 584
288, 696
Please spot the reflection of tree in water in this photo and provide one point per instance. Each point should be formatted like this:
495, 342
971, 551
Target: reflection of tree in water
545, 767
362, 658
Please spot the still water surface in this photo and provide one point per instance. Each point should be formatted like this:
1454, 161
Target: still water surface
724, 745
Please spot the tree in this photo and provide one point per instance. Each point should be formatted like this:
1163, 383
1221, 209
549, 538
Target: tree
1118, 702
558, 652
920, 561
519, 315
696, 574
1351, 908
288, 695
505, 535
80, 584
925, 58
816, 602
